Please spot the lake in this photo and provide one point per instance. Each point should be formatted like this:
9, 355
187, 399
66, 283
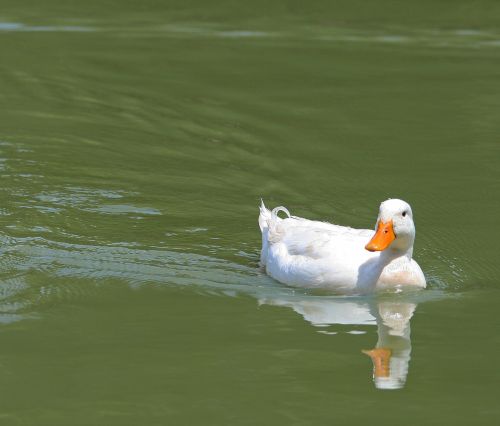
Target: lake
136, 140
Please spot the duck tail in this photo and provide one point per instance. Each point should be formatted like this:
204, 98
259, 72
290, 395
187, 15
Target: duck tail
269, 218
271, 232
276, 231
264, 216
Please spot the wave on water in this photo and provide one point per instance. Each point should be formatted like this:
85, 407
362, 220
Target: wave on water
39, 272
429, 37
18, 26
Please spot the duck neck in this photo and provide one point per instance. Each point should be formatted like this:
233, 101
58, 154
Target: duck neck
391, 253
401, 246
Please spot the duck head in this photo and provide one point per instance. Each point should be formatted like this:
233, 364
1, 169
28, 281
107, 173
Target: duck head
395, 229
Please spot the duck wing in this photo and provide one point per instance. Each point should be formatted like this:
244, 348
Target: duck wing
314, 239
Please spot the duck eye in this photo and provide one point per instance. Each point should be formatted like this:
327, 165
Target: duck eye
404, 213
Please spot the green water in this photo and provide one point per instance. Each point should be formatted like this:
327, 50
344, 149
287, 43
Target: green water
136, 139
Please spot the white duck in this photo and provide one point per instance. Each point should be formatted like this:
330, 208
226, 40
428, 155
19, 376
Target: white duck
312, 254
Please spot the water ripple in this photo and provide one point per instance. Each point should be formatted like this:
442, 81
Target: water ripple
17, 26
426, 37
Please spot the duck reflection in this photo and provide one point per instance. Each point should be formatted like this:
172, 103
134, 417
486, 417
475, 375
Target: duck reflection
391, 354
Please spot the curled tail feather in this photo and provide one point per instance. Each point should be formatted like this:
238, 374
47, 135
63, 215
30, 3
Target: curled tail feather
276, 210
269, 225
274, 229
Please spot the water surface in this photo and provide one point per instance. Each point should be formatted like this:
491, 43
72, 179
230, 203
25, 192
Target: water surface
135, 144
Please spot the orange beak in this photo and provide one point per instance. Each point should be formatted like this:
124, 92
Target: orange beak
382, 238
